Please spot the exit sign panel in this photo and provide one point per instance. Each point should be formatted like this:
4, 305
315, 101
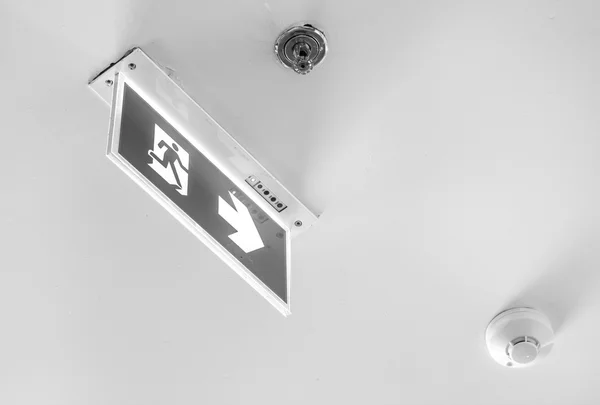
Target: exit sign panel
224, 214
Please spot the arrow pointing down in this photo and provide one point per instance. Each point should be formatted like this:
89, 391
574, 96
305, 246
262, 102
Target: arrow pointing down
247, 236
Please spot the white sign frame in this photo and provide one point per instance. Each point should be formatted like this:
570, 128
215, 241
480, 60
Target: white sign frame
148, 80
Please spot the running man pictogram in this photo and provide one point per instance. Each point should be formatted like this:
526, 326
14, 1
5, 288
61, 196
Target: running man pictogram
170, 161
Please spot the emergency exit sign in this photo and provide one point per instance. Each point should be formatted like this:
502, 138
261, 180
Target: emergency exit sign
189, 164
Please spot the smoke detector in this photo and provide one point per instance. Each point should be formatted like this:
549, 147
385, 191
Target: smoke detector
519, 337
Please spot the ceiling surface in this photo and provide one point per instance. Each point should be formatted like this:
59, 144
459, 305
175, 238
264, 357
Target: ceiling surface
451, 148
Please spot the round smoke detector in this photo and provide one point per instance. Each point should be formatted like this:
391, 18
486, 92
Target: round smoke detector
519, 337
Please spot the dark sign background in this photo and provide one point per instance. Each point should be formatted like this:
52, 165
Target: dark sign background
206, 184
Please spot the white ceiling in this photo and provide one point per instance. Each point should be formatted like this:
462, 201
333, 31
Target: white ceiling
451, 147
